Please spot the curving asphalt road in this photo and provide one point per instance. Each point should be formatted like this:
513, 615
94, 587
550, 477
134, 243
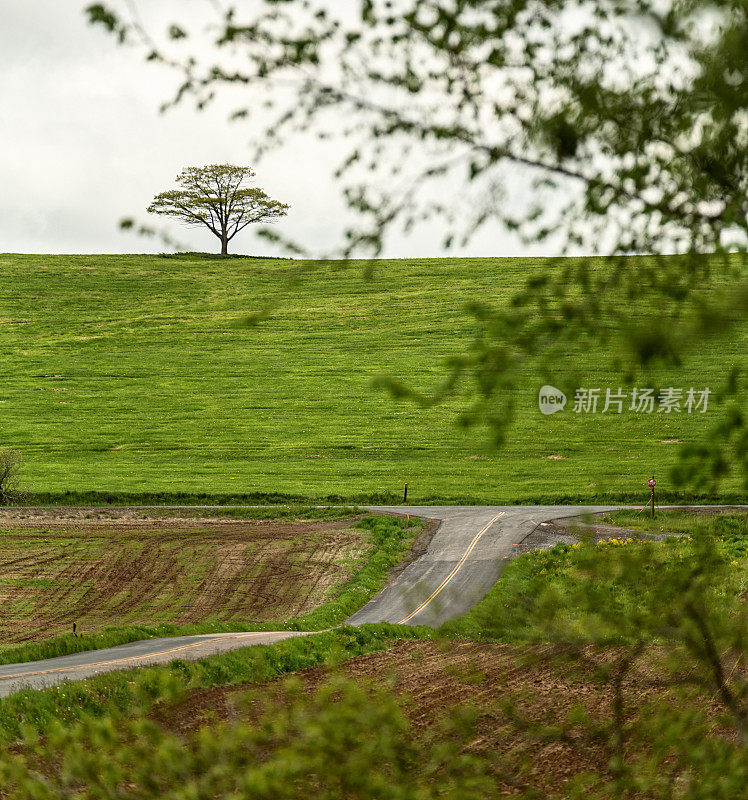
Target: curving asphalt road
462, 562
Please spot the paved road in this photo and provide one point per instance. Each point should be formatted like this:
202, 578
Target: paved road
51, 671
464, 559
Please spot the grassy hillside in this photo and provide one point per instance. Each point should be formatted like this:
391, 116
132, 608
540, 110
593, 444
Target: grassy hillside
133, 374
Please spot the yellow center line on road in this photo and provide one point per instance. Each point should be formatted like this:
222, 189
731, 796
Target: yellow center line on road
131, 658
454, 571
420, 608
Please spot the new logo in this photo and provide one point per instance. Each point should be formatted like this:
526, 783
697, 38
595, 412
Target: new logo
551, 400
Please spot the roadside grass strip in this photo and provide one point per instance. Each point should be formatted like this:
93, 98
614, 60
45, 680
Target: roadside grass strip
388, 541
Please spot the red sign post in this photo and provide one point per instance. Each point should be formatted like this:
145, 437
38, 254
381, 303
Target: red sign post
652, 483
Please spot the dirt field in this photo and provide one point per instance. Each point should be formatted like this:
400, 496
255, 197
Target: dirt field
56, 570
436, 677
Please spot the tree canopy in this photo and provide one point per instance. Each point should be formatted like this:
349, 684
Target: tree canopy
627, 117
215, 197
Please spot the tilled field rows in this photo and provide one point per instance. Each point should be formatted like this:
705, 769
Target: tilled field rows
98, 575
435, 678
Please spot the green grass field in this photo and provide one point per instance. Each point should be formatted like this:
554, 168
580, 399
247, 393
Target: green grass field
133, 374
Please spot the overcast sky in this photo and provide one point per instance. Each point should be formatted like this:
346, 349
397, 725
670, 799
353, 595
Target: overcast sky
83, 145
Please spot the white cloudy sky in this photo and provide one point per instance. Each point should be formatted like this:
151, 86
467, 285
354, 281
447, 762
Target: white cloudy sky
83, 145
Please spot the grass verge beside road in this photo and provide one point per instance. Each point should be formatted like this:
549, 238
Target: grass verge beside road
730, 524
513, 611
388, 540
132, 690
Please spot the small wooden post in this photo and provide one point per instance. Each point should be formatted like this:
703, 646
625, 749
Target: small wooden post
405, 494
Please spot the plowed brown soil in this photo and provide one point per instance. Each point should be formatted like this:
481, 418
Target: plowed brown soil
120, 572
435, 677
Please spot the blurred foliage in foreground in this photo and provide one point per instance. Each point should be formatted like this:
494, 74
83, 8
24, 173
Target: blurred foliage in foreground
599, 612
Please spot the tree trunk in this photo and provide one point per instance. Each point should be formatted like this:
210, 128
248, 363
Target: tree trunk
224, 246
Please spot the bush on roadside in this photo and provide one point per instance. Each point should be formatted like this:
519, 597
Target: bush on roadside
10, 467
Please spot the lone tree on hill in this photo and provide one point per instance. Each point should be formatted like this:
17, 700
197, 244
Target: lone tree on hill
214, 196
